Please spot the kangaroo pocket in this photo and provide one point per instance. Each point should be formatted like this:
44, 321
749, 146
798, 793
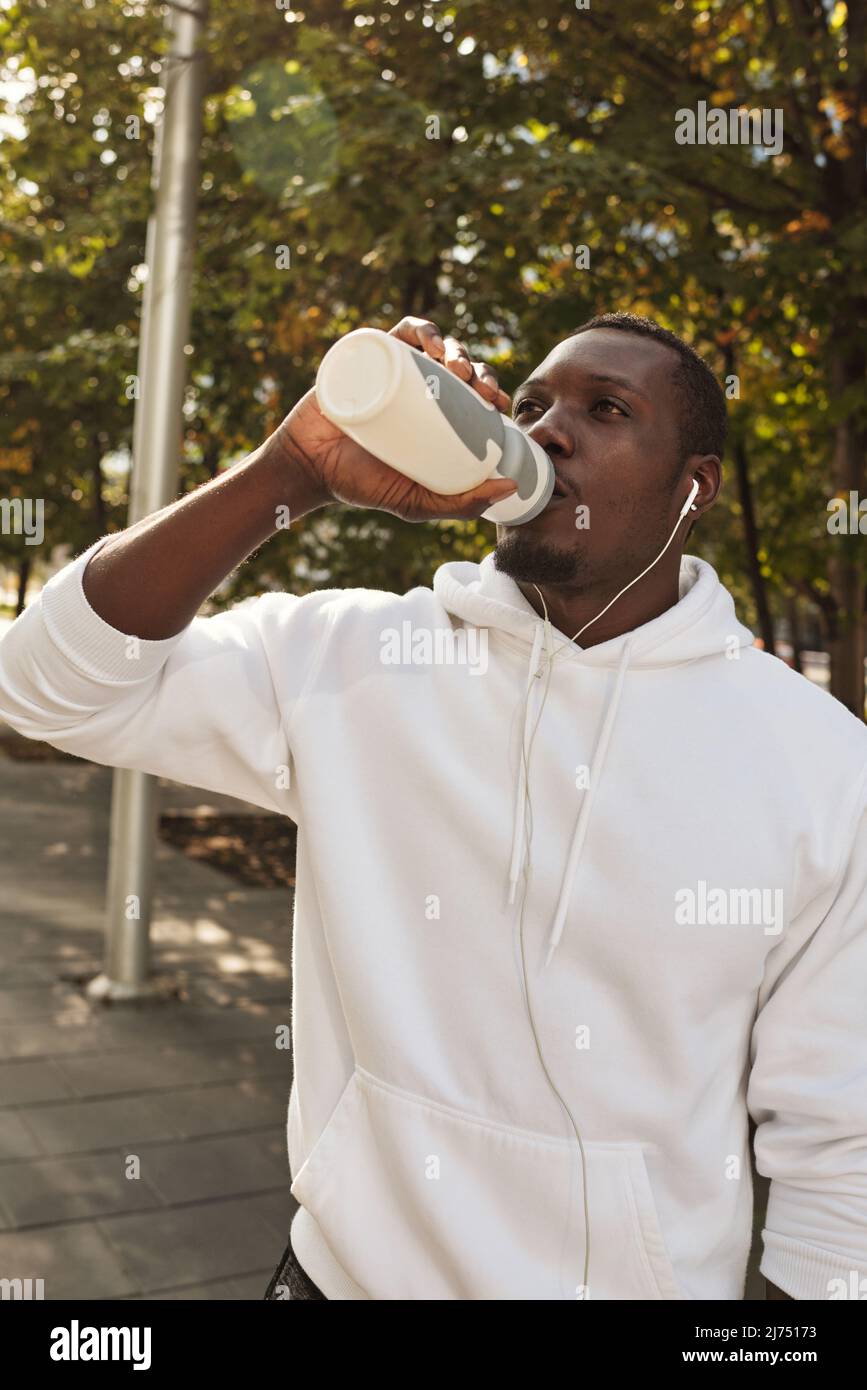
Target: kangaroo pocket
420, 1201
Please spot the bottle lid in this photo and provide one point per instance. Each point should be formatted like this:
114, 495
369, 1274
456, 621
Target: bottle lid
358, 376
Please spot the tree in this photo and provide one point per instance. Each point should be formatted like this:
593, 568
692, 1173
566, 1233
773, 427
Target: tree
506, 170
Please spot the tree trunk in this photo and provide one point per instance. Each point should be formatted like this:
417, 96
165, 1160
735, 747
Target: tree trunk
421, 292
751, 539
99, 513
844, 566
24, 566
795, 626
751, 530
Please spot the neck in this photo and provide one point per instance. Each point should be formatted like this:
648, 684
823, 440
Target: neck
569, 610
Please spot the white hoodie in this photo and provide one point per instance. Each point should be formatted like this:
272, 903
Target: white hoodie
681, 781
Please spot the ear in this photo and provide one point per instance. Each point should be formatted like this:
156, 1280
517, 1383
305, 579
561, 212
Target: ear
707, 470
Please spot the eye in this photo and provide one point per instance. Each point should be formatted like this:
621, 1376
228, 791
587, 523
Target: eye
609, 400
524, 405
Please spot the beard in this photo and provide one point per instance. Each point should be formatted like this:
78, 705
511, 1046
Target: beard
528, 560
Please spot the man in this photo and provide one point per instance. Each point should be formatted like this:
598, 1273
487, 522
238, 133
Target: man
567, 912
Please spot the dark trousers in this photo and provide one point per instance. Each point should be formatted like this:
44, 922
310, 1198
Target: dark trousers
290, 1281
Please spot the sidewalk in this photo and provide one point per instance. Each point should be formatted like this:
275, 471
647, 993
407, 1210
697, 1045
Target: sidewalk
194, 1087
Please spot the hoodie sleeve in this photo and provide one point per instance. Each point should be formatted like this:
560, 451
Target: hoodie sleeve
808, 1088
201, 707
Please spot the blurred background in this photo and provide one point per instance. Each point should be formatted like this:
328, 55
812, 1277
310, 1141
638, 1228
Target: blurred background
507, 170
451, 160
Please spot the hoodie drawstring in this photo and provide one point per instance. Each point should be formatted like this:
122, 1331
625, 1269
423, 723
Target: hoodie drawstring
580, 832
519, 840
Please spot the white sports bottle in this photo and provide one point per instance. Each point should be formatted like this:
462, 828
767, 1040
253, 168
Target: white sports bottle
418, 417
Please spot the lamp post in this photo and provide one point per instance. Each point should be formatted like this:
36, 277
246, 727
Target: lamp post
157, 440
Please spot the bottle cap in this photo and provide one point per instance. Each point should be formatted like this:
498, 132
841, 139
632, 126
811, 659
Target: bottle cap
358, 376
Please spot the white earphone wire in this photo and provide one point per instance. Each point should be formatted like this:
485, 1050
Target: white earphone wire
526, 751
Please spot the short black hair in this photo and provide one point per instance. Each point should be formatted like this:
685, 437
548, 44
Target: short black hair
702, 423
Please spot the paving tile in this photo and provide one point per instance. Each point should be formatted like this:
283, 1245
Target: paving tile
75, 1261
135, 1070
241, 988
252, 1104
196, 1088
85, 1125
257, 1022
224, 1166
45, 1039
62, 1189
191, 1245
32, 1081
276, 1210
126, 1071
16, 1139
36, 1001
253, 1058
248, 1287
52, 960
29, 973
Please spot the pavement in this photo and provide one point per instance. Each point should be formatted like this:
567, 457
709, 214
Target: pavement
142, 1149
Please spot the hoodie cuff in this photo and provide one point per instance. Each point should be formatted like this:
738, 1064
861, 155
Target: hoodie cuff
807, 1271
86, 640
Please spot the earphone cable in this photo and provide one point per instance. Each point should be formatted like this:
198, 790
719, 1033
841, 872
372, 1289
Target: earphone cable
526, 750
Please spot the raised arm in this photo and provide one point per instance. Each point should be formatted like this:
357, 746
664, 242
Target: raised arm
111, 663
150, 580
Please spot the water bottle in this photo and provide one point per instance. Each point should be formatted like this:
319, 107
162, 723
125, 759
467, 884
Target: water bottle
418, 417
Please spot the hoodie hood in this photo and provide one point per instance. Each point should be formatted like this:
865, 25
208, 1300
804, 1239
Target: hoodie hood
701, 624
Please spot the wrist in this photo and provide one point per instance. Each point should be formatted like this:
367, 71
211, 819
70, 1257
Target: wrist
294, 472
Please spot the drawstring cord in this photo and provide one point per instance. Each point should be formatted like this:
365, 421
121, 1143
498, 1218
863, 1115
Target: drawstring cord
578, 838
580, 832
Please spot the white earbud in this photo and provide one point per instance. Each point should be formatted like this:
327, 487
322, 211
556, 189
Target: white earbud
687, 504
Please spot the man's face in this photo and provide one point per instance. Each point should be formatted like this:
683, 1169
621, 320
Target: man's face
603, 408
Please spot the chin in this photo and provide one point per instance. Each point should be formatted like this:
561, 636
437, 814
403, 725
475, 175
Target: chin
530, 560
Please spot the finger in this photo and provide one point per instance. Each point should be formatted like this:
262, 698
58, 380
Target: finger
457, 359
420, 333
485, 382
478, 500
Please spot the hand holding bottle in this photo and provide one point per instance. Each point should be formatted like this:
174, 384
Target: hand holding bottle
345, 471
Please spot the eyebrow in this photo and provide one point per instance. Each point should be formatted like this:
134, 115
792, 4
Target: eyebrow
531, 381
539, 382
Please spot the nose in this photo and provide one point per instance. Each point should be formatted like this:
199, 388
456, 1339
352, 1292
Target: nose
552, 435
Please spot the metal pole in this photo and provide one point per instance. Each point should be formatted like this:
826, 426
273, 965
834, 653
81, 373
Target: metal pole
157, 439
